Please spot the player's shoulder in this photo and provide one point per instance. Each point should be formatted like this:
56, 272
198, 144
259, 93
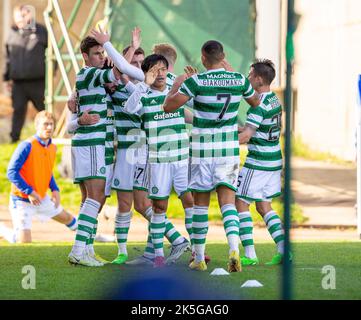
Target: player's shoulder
24, 147
86, 70
81, 73
27, 143
269, 101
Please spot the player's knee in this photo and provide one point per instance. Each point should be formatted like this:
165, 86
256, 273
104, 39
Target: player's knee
101, 199
97, 197
140, 207
124, 205
241, 205
187, 200
142, 204
159, 207
263, 207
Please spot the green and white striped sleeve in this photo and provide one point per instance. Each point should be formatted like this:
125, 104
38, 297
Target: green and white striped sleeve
254, 117
94, 77
248, 89
189, 87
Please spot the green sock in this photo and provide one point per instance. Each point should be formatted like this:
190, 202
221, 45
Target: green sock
231, 226
149, 249
173, 236
200, 230
246, 234
157, 229
122, 224
87, 219
188, 222
274, 226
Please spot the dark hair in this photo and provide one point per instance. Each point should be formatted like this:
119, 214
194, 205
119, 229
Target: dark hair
152, 60
265, 69
88, 43
136, 52
213, 51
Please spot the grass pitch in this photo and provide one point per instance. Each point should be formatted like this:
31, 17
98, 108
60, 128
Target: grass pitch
56, 279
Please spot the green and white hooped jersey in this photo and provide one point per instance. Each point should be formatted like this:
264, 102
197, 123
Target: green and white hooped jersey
166, 133
128, 126
264, 151
109, 138
216, 95
92, 95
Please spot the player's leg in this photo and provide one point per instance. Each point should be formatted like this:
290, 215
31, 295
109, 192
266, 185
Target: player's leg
225, 176
66, 218
90, 242
122, 224
270, 190
144, 206
160, 185
201, 185
245, 219
157, 229
22, 218
47, 210
123, 183
246, 233
87, 220
180, 184
21, 215
226, 200
275, 228
200, 229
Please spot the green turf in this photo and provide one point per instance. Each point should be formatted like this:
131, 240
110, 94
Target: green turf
56, 279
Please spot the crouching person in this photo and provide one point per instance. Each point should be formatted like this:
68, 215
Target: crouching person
31, 174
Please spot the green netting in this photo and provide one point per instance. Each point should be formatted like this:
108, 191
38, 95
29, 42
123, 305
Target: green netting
187, 24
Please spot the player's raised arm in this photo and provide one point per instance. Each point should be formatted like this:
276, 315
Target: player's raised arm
120, 62
133, 104
182, 91
134, 45
176, 99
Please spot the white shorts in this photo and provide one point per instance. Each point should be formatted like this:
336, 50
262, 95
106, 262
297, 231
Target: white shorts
141, 172
257, 185
142, 155
22, 212
124, 169
206, 176
88, 163
141, 177
109, 179
164, 176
